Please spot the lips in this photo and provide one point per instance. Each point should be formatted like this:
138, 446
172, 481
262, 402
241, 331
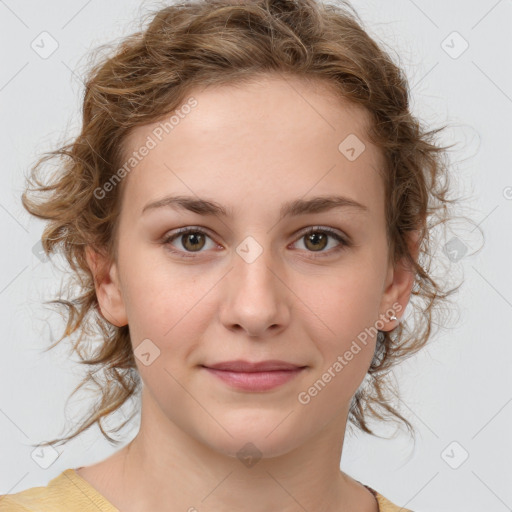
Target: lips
254, 377
247, 366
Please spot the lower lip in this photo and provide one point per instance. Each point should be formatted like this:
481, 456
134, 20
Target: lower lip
255, 381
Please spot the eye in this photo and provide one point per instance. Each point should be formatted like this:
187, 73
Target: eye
190, 238
316, 238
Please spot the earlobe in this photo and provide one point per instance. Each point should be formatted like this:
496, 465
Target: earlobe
108, 290
398, 290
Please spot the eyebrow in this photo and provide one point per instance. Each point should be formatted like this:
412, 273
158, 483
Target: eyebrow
292, 208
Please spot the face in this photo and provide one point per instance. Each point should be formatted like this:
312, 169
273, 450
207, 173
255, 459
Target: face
247, 282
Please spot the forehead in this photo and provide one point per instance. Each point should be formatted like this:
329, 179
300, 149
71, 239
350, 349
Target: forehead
272, 137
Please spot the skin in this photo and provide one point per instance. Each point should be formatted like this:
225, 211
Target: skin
251, 148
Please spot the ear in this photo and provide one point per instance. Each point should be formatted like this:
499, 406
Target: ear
399, 282
108, 290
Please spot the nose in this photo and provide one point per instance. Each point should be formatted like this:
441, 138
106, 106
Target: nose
256, 298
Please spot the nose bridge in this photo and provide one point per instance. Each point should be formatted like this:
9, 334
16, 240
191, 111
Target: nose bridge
255, 298
255, 265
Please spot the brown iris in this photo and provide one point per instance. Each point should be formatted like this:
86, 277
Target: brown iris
319, 240
193, 238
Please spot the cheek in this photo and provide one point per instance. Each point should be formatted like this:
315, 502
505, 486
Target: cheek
341, 319
157, 291
172, 310
343, 303
167, 315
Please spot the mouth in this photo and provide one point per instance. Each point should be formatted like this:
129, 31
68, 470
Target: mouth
247, 376
241, 365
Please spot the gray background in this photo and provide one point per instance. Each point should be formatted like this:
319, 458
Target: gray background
457, 392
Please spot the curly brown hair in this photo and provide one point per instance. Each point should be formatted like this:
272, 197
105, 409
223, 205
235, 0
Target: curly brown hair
148, 75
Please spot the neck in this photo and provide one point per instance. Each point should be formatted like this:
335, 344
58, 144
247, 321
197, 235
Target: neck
166, 468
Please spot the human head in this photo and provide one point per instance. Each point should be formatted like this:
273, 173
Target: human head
193, 44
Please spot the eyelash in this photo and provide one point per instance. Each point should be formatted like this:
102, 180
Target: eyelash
315, 229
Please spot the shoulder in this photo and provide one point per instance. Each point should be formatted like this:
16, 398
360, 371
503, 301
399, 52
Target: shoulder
29, 500
8, 504
385, 505
65, 493
24, 501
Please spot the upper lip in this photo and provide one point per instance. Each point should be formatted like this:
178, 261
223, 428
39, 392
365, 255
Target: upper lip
247, 366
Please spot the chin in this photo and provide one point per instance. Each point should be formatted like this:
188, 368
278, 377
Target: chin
252, 440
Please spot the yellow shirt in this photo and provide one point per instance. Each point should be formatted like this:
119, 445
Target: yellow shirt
69, 492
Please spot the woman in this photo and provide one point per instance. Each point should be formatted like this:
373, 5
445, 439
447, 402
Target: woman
247, 209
